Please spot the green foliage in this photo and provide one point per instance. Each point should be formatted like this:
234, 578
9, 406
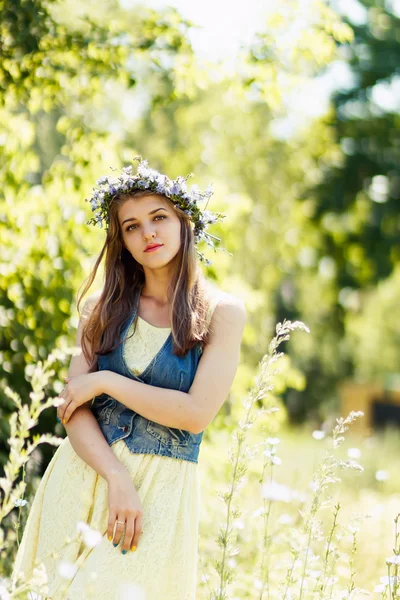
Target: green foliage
374, 332
354, 215
53, 74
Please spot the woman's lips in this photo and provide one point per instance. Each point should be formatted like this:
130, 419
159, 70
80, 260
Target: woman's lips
154, 248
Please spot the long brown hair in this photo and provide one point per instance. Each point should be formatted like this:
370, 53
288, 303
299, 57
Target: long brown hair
123, 275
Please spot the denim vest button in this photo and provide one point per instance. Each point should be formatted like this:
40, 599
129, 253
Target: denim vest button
126, 428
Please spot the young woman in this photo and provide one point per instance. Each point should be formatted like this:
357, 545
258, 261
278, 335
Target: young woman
160, 349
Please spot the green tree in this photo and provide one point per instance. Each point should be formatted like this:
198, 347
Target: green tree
356, 209
59, 79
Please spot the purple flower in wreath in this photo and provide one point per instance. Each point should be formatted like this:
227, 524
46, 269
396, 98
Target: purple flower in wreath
147, 178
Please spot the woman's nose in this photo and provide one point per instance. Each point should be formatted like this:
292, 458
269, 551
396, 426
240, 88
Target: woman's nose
149, 232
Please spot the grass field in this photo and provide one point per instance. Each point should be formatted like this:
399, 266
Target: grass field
361, 548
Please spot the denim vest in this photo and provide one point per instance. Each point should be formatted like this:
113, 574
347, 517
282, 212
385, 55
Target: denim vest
142, 436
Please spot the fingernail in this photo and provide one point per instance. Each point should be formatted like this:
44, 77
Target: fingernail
115, 544
58, 419
133, 548
110, 537
63, 421
123, 551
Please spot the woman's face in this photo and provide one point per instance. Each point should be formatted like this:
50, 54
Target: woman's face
150, 220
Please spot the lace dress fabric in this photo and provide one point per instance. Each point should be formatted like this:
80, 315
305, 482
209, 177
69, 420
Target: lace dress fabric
165, 562
148, 339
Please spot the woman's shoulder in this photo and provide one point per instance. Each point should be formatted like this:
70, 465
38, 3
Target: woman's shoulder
225, 303
90, 303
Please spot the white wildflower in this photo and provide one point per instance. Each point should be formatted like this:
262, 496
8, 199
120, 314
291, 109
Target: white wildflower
91, 537
270, 453
314, 574
259, 512
380, 588
58, 401
285, 519
232, 563
276, 491
318, 434
239, 524
381, 475
20, 502
67, 569
257, 584
354, 453
39, 576
300, 496
338, 441
273, 441
385, 582
393, 560
350, 464
4, 594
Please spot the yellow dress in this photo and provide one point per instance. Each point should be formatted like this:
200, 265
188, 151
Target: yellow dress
165, 562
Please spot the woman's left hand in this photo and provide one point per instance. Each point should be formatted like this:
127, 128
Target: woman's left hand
79, 390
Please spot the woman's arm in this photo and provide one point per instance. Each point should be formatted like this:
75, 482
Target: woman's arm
82, 428
194, 410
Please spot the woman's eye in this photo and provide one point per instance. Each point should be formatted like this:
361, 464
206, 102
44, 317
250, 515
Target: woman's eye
156, 217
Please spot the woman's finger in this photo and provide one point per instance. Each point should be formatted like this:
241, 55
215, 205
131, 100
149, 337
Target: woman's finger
119, 529
129, 532
59, 412
68, 411
62, 408
138, 531
111, 522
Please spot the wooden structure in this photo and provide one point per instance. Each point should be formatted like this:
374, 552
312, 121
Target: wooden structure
379, 403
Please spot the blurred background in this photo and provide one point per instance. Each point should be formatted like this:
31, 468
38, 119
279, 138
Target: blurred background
291, 110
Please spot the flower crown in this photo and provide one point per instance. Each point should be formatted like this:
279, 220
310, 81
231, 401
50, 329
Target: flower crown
149, 179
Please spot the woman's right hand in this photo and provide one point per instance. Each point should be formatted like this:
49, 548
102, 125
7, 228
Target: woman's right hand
124, 505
